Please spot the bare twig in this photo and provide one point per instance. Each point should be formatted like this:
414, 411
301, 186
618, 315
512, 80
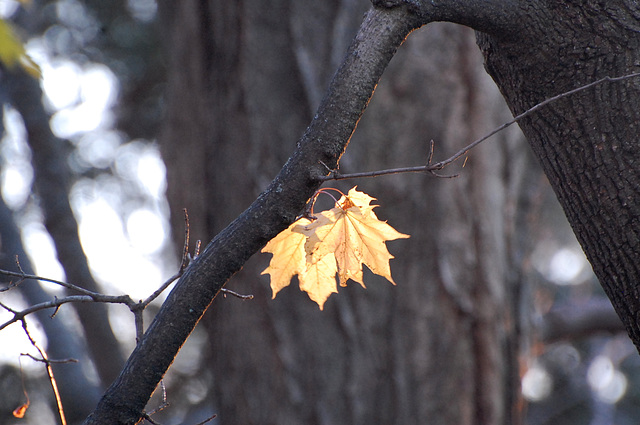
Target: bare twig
186, 259
139, 307
147, 418
226, 291
432, 167
24, 276
52, 378
164, 403
19, 281
432, 146
18, 265
161, 289
20, 315
209, 419
89, 296
185, 247
34, 358
139, 322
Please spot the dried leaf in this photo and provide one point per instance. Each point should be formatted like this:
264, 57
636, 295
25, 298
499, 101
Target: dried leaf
338, 242
288, 256
355, 235
319, 279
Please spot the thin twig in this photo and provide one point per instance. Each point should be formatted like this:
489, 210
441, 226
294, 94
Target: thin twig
90, 296
163, 405
22, 275
18, 264
139, 322
20, 315
335, 175
209, 419
34, 358
432, 149
161, 289
164, 402
186, 259
11, 283
147, 418
52, 378
226, 291
185, 247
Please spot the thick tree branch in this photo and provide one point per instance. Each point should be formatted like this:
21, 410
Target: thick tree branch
323, 142
500, 18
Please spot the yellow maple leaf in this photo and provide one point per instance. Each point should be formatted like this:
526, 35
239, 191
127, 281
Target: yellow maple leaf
288, 256
319, 279
338, 242
355, 235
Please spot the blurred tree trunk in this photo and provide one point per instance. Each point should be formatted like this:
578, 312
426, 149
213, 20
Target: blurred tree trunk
53, 180
442, 347
52, 183
79, 394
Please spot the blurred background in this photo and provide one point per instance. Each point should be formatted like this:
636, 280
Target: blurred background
143, 108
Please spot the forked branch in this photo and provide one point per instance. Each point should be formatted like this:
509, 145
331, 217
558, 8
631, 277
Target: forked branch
87, 296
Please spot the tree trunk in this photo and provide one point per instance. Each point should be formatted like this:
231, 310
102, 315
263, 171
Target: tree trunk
442, 346
586, 143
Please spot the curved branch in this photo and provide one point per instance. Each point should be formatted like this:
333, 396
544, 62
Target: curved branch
500, 18
324, 141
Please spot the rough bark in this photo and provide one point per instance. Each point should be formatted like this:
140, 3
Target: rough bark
586, 143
